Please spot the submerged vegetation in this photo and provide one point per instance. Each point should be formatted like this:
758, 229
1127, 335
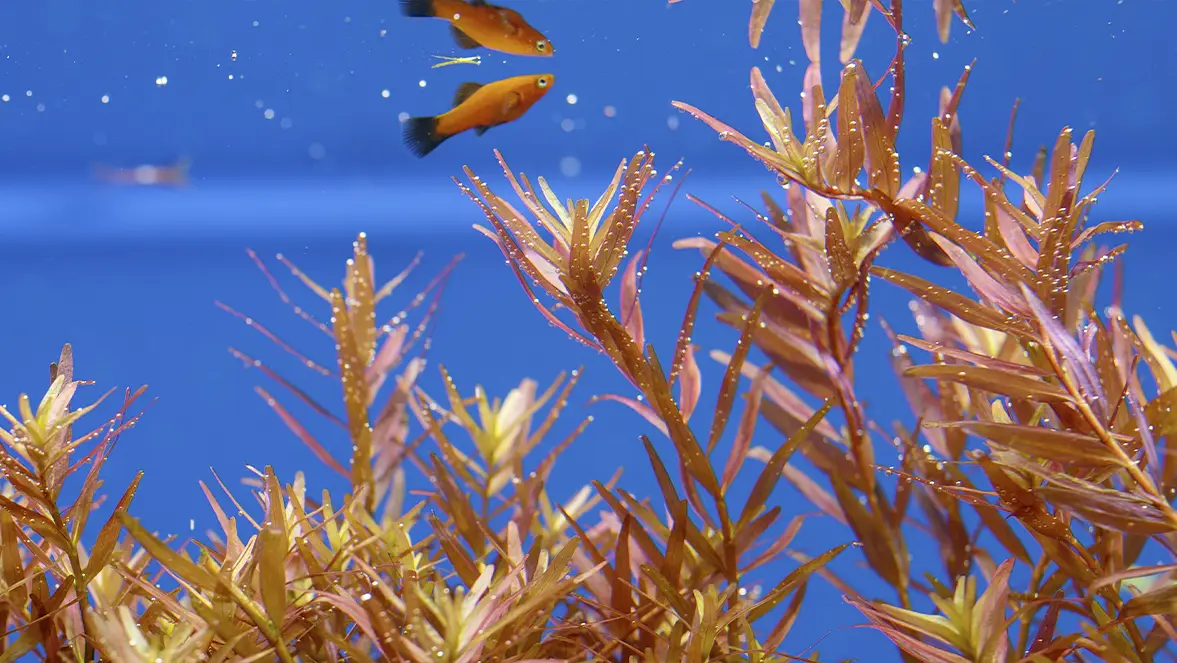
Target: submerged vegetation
1037, 464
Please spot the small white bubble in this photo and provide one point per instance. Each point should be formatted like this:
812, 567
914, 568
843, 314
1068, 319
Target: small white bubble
160, 81
233, 55
268, 114
421, 83
41, 107
567, 124
935, 55
571, 99
610, 111
28, 93
105, 98
317, 151
385, 93
255, 24
5, 98
402, 116
286, 123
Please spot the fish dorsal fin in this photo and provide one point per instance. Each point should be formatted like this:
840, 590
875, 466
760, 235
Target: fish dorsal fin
465, 91
462, 39
477, 3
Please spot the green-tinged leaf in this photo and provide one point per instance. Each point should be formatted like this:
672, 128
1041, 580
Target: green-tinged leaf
109, 534
993, 380
1161, 601
272, 545
36, 522
29, 638
731, 375
1046, 443
795, 578
771, 473
175, 562
463, 565
620, 592
878, 544
683, 606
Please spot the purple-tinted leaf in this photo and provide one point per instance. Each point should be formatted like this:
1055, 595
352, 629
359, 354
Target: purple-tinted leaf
641, 408
1073, 359
631, 308
985, 285
853, 24
959, 305
810, 20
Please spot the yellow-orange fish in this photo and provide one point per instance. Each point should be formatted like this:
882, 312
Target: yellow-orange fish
477, 107
476, 24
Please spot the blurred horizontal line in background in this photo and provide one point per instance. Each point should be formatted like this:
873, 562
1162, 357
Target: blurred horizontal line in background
52, 212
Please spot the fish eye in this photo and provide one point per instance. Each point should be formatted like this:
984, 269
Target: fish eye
541, 46
542, 82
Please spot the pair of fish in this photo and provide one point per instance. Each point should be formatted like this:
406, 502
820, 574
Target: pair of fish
478, 107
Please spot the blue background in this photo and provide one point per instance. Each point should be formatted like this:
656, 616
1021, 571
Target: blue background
129, 275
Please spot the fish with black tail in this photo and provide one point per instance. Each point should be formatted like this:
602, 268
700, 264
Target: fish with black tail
476, 24
477, 108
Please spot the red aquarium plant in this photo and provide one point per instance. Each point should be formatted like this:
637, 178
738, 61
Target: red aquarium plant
1034, 479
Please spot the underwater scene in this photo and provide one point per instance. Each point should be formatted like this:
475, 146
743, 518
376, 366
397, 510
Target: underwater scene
701, 331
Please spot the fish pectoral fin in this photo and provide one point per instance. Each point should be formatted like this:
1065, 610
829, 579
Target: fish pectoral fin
512, 101
462, 39
478, 131
465, 91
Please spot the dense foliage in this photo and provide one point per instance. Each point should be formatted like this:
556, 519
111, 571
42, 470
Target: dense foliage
1039, 450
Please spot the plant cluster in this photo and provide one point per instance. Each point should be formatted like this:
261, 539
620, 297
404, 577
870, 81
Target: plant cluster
1037, 464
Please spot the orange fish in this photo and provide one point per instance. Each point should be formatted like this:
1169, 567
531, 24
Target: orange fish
477, 24
477, 107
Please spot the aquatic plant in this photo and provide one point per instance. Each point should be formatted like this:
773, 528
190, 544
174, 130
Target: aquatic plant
1050, 514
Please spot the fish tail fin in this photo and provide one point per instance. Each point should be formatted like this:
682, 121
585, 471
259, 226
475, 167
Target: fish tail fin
418, 8
183, 168
421, 136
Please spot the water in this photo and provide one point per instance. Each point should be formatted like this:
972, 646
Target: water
290, 114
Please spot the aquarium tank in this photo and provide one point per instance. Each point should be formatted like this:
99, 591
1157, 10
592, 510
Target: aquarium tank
626, 331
